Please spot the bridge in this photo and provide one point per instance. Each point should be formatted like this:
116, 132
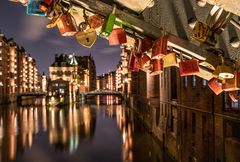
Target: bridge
103, 93
35, 94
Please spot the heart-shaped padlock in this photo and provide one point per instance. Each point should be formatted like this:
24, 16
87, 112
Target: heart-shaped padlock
87, 38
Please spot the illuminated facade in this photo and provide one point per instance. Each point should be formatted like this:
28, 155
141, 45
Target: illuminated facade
18, 71
107, 81
79, 71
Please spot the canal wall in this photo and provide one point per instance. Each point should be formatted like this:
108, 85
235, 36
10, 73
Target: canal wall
184, 115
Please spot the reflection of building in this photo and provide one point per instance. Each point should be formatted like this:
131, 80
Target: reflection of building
185, 115
18, 71
65, 128
107, 81
79, 71
44, 83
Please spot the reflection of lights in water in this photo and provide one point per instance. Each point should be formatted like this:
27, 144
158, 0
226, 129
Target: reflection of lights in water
30, 130
15, 125
44, 119
36, 128
52, 117
98, 100
86, 119
12, 136
1, 129
61, 118
24, 126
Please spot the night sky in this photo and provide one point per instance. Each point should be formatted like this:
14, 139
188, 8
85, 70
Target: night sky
42, 43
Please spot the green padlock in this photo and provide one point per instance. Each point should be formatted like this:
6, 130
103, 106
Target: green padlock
108, 26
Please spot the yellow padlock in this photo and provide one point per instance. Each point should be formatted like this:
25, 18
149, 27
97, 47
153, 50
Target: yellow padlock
87, 38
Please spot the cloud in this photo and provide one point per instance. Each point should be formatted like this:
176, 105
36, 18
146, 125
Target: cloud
57, 42
108, 50
33, 27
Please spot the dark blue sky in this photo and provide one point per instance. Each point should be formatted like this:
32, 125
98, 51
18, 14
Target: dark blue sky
43, 43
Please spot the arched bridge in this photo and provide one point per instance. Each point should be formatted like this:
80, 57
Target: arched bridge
103, 93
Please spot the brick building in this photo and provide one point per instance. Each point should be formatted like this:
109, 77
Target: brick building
78, 71
18, 71
107, 81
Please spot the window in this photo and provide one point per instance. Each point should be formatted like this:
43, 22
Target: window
185, 81
230, 105
194, 80
204, 82
1, 84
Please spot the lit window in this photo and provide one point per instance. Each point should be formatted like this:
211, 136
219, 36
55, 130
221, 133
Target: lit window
185, 81
194, 79
0, 73
1, 84
0, 58
204, 82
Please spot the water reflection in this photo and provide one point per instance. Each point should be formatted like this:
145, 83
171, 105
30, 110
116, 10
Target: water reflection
91, 132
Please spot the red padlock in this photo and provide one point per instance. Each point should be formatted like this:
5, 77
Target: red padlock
157, 67
95, 21
188, 67
233, 96
133, 64
144, 63
48, 2
66, 25
146, 44
159, 48
215, 86
117, 37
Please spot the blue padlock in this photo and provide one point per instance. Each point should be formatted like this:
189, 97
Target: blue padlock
33, 8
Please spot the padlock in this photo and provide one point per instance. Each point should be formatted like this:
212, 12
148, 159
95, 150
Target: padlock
24, 2
200, 32
133, 65
43, 7
108, 26
87, 38
223, 72
188, 67
157, 67
159, 48
95, 21
33, 8
144, 63
232, 84
234, 96
147, 44
213, 59
170, 60
215, 85
117, 37
48, 2
66, 25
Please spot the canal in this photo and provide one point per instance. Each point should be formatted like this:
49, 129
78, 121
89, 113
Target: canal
104, 130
